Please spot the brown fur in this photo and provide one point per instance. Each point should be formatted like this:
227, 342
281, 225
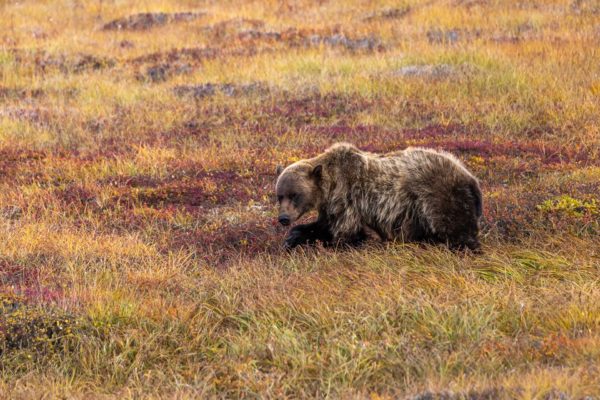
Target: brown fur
413, 195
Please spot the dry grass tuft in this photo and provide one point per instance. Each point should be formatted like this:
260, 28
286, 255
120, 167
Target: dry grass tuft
139, 254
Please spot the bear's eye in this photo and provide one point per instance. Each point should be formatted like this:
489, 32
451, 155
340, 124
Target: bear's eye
279, 198
293, 196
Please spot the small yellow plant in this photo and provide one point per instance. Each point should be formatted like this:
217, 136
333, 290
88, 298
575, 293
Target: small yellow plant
569, 205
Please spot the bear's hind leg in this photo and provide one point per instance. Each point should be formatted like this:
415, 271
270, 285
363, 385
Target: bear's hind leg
355, 240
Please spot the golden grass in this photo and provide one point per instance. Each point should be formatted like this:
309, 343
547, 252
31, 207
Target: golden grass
144, 217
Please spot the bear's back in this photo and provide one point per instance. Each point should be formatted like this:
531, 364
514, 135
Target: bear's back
430, 163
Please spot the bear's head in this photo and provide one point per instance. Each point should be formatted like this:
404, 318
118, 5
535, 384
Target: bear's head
298, 190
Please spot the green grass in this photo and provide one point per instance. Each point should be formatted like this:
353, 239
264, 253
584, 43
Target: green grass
140, 256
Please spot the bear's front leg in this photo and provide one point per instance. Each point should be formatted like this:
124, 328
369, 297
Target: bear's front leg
296, 237
347, 228
308, 234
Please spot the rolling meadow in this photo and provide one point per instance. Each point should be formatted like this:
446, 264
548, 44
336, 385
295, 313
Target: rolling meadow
139, 251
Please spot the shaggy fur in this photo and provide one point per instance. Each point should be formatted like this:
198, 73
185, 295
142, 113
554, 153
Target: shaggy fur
412, 195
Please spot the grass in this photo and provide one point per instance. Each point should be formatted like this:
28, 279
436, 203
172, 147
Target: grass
139, 253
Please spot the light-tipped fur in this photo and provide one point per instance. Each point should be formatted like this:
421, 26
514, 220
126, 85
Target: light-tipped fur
415, 194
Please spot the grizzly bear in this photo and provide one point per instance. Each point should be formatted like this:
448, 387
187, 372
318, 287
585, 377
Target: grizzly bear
413, 195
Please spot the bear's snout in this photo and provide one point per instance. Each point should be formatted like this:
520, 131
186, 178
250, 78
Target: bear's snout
284, 220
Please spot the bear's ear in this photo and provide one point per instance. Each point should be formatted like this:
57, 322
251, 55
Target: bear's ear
279, 170
317, 172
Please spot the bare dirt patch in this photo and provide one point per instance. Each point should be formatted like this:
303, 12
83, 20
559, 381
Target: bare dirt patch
312, 38
196, 55
451, 36
227, 89
162, 72
248, 31
370, 43
144, 21
44, 61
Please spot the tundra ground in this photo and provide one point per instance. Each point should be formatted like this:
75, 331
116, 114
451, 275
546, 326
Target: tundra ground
139, 255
